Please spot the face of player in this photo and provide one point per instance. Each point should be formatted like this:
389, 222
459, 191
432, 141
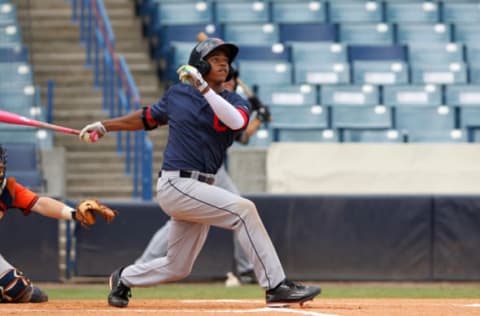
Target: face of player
218, 61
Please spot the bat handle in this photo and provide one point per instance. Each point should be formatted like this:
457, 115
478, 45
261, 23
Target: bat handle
94, 136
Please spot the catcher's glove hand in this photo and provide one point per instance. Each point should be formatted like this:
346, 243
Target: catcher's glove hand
87, 209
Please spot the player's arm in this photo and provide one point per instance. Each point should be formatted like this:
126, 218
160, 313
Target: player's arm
49, 207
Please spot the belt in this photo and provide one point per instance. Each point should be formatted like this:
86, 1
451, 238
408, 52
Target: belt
209, 179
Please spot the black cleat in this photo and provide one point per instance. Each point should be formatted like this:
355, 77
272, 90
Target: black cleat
119, 292
287, 293
33, 295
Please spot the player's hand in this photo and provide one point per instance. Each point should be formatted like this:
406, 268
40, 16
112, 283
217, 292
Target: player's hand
190, 74
263, 114
92, 132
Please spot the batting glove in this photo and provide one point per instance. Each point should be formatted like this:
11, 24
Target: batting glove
190, 74
91, 132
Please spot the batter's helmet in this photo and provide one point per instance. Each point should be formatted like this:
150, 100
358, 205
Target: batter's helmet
3, 167
202, 49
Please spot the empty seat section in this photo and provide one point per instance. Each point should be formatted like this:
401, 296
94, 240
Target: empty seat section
288, 94
318, 52
21, 156
321, 73
305, 135
300, 117
406, 95
298, 12
423, 33
468, 33
361, 116
366, 33
277, 52
307, 32
463, 95
232, 12
435, 53
353, 11
265, 72
454, 12
420, 12
380, 72
424, 121
8, 14
18, 73
262, 138
251, 33
333, 95
10, 34
377, 52
178, 54
455, 73
365, 135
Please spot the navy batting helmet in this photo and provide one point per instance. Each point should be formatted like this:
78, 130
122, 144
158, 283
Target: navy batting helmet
204, 48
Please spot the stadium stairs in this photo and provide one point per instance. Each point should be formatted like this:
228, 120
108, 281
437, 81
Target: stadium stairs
56, 53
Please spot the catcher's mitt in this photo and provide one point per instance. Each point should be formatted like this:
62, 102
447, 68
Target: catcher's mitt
87, 209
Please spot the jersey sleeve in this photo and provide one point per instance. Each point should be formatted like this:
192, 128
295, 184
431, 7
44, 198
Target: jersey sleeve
158, 111
24, 199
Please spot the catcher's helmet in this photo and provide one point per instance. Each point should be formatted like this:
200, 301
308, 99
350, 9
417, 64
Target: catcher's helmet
202, 49
3, 167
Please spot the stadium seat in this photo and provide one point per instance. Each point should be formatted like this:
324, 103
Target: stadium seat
180, 33
32, 179
22, 156
265, 72
8, 14
377, 52
251, 33
369, 135
353, 11
13, 53
463, 95
305, 135
455, 73
366, 33
175, 13
424, 118
405, 95
469, 116
17, 73
307, 32
262, 138
420, 12
288, 94
277, 52
474, 74
298, 12
435, 53
473, 54
380, 72
460, 12
467, 33
321, 73
351, 95
361, 116
10, 34
443, 136
313, 52
178, 54
423, 33
226, 12
302, 116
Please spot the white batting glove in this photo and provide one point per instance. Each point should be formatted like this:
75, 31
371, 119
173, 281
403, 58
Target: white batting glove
190, 74
92, 132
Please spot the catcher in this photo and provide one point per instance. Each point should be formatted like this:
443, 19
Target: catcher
15, 287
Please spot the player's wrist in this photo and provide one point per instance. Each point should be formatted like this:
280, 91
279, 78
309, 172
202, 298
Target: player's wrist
67, 213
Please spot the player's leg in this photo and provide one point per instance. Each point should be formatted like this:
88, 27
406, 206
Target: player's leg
185, 240
243, 268
157, 247
17, 288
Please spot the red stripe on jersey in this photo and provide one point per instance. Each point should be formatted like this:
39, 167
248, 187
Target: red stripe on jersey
148, 115
245, 117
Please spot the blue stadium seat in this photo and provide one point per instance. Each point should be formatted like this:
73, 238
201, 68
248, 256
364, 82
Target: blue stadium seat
321, 73
8, 14
380, 72
251, 33
261, 139
180, 33
299, 12
424, 118
313, 52
353, 11
22, 156
463, 95
460, 12
307, 32
277, 52
423, 33
32, 179
405, 95
421, 12
305, 135
455, 73
468, 33
366, 33
175, 13
470, 116
14, 53
474, 73
361, 116
435, 53
352, 95
178, 54
265, 72
377, 52
370, 135
442, 136
288, 94
301, 116
226, 12
473, 54
17, 73
10, 34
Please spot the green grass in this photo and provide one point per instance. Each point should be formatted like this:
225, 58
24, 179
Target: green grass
219, 291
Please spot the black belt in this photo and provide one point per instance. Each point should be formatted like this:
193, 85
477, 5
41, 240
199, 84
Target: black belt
194, 175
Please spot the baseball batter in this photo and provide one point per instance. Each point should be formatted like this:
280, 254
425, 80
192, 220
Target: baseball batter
203, 119
15, 287
157, 247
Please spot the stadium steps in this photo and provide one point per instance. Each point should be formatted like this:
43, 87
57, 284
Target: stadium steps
56, 53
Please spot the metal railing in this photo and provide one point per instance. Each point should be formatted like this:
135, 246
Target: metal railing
120, 93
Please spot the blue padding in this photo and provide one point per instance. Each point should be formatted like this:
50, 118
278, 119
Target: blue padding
307, 32
380, 52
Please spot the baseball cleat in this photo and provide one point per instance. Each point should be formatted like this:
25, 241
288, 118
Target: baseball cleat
287, 293
119, 292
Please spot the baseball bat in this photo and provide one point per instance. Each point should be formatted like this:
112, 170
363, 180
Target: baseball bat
15, 119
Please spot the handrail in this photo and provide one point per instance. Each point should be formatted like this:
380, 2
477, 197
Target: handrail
120, 93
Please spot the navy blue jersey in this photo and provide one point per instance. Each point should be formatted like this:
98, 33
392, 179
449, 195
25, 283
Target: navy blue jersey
197, 139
